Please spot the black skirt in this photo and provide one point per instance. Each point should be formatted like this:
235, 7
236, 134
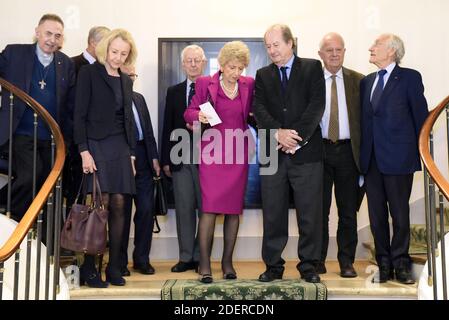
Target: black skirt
112, 157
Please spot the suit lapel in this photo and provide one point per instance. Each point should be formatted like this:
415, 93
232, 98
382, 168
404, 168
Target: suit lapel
58, 79
243, 89
369, 87
127, 92
277, 82
29, 65
213, 89
391, 83
293, 76
349, 93
181, 92
104, 75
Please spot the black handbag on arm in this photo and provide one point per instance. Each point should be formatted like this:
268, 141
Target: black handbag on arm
160, 202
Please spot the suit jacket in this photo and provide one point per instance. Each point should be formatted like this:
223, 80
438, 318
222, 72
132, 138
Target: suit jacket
352, 80
147, 127
207, 87
393, 128
16, 67
301, 109
95, 106
79, 61
175, 105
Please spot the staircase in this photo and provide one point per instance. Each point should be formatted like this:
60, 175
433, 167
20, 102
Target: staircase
28, 269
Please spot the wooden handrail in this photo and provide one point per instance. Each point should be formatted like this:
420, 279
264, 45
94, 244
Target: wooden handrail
31, 214
424, 148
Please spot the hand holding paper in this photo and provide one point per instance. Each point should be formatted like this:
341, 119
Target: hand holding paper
211, 114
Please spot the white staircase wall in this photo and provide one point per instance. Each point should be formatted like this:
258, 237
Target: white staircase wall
7, 226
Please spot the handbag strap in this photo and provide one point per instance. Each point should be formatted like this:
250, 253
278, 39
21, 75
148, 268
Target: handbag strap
96, 192
156, 224
83, 187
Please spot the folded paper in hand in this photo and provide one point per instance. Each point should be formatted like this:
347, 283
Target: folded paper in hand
213, 117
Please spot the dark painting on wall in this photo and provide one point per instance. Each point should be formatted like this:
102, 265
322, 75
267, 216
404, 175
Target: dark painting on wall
171, 73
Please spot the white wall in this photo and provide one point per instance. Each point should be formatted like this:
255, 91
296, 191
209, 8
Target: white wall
421, 24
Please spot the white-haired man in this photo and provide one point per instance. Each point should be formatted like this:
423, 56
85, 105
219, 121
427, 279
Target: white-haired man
186, 186
393, 111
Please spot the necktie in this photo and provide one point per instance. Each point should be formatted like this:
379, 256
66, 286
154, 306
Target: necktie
377, 93
191, 93
284, 80
333, 131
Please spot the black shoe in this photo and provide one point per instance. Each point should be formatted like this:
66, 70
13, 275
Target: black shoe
205, 278
311, 276
229, 276
271, 274
385, 273
404, 276
125, 272
320, 268
144, 269
92, 279
348, 271
116, 281
182, 266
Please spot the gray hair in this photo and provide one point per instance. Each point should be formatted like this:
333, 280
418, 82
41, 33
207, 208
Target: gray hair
97, 33
193, 47
331, 35
397, 44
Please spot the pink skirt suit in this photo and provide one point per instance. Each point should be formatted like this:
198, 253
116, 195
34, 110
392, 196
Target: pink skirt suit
223, 184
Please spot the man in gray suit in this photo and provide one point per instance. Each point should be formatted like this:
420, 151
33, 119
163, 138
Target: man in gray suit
340, 128
186, 186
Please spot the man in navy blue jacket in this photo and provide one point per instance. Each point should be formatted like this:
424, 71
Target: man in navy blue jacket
393, 111
48, 76
147, 166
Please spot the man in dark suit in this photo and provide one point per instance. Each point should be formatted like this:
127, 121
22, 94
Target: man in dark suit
147, 166
72, 168
48, 76
340, 128
393, 111
89, 56
290, 99
186, 185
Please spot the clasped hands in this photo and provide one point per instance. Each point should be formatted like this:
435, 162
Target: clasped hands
288, 140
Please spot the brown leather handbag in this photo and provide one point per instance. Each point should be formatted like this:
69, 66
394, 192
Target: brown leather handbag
85, 227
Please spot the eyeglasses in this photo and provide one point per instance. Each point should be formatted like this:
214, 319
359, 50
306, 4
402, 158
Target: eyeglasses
133, 75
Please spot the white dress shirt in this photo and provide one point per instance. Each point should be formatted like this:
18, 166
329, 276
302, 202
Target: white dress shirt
88, 57
343, 119
187, 91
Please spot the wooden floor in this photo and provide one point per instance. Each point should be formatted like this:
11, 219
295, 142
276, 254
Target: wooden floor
140, 286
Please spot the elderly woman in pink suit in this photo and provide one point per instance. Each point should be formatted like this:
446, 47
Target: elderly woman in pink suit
223, 168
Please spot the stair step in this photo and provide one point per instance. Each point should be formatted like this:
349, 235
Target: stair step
418, 235
418, 254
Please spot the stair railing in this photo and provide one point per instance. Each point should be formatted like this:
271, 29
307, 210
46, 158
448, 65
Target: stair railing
434, 178
48, 199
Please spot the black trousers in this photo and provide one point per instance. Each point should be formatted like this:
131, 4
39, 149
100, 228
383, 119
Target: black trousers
22, 158
389, 194
72, 174
341, 172
144, 215
306, 181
